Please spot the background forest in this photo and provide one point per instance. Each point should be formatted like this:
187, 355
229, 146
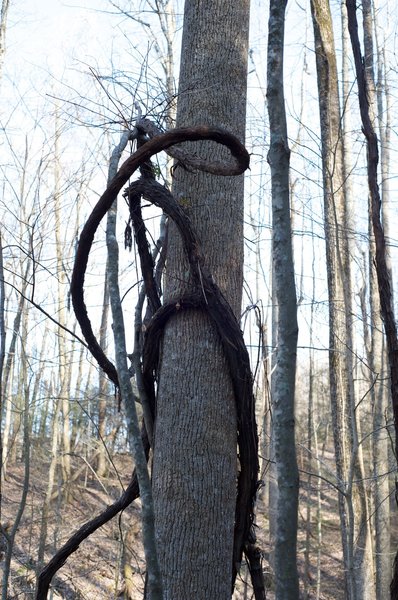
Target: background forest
314, 239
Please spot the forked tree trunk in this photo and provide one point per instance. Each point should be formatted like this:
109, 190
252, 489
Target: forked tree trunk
194, 472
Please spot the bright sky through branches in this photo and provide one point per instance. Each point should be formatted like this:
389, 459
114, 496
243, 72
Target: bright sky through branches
50, 34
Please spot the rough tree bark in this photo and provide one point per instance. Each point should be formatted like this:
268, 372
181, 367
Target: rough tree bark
287, 330
194, 473
216, 306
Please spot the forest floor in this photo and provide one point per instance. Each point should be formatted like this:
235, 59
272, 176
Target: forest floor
97, 570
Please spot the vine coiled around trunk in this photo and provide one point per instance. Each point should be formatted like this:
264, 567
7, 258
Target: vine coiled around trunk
205, 296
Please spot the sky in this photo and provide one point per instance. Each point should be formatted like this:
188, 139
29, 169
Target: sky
49, 32
52, 43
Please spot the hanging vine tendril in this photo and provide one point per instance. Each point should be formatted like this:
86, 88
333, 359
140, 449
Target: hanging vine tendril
205, 295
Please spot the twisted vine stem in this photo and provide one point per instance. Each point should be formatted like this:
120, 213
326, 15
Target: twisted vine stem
205, 296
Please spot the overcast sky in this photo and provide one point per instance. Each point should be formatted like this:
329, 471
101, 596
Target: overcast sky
48, 33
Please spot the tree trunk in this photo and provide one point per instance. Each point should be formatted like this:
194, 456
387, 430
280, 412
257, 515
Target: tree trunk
2, 351
352, 497
377, 360
63, 391
194, 472
284, 377
24, 388
364, 73
103, 385
3, 28
50, 486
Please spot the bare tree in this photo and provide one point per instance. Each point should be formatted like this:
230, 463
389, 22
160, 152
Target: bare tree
381, 262
194, 473
5, 5
377, 356
352, 497
287, 330
2, 353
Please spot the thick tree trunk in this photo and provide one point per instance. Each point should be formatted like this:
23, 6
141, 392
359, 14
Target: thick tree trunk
194, 473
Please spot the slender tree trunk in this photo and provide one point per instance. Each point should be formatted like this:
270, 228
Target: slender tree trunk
26, 454
352, 496
63, 390
381, 261
103, 385
273, 485
313, 462
15, 329
194, 472
148, 515
284, 377
377, 358
37, 408
2, 356
385, 128
3, 28
50, 486
377, 361
103, 382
